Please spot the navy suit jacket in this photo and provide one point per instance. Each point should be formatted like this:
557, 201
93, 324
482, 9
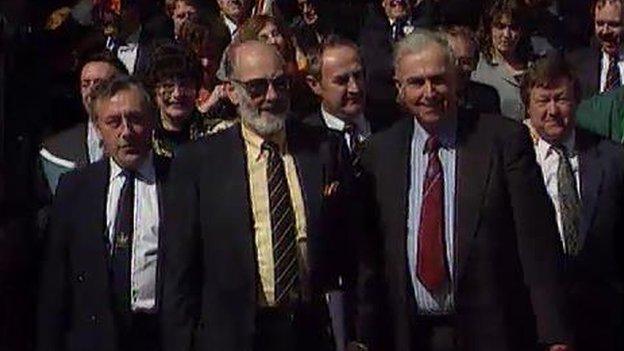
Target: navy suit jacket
75, 307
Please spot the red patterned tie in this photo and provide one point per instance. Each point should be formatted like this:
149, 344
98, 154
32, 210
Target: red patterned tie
613, 75
431, 264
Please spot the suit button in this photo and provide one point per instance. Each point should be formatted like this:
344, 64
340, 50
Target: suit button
92, 318
80, 278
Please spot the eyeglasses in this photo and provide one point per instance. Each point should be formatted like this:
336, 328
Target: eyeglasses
185, 86
259, 87
395, 3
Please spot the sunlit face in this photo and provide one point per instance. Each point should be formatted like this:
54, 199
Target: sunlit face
608, 26
260, 89
272, 36
125, 124
175, 99
396, 9
183, 12
505, 36
92, 75
551, 109
341, 87
308, 11
427, 85
237, 10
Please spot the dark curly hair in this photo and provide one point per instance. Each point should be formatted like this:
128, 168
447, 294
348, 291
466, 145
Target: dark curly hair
517, 14
170, 60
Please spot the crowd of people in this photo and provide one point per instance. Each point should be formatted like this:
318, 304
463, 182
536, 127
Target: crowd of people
275, 175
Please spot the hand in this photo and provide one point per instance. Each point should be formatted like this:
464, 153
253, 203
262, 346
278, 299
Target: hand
560, 347
217, 94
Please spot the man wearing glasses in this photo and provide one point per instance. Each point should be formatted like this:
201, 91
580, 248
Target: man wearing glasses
474, 95
249, 246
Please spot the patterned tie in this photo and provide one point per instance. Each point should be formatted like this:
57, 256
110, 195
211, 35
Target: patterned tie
431, 263
569, 203
283, 229
122, 249
613, 75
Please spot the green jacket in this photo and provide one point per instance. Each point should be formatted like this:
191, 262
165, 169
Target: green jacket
604, 115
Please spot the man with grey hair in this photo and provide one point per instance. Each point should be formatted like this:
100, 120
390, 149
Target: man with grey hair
470, 252
250, 240
98, 288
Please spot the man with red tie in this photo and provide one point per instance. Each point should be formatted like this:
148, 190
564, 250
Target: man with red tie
461, 247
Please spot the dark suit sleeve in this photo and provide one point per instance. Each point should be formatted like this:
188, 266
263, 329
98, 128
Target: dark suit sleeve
537, 237
181, 255
53, 309
369, 322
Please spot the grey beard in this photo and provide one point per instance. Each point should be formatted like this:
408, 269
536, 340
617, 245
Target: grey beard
262, 126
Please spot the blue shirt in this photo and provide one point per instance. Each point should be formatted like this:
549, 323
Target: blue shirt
426, 303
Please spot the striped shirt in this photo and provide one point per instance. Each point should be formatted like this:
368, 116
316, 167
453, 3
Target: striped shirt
427, 305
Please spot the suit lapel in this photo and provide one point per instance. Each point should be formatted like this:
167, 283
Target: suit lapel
473, 167
395, 194
94, 221
311, 173
591, 175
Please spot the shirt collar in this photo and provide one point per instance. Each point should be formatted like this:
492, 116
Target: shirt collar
145, 172
338, 124
231, 25
447, 133
605, 56
544, 149
253, 141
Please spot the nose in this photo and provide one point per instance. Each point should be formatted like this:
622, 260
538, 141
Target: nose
272, 40
271, 94
429, 90
353, 86
552, 109
126, 128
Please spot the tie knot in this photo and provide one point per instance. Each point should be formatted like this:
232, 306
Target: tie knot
128, 174
432, 144
560, 150
270, 147
349, 127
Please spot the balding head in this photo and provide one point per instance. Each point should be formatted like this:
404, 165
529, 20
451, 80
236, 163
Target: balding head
258, 86
249, 54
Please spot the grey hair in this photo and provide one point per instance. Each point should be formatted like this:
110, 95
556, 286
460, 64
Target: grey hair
419, 40
109, 89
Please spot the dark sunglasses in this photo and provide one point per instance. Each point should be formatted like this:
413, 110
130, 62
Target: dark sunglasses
259, 87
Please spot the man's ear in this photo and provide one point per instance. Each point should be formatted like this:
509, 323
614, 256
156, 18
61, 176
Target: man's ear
314, 84
232, 93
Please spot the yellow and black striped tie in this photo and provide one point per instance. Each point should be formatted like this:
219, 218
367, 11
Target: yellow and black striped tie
283, 229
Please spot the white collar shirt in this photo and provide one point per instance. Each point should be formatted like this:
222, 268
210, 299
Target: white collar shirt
548, 160
362, 127
145, 236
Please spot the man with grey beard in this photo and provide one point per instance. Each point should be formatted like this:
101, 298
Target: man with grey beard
250, 241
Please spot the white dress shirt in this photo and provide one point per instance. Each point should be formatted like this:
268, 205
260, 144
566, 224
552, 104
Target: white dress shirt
427, 304
145, 236
95, 148
362, 127
604, 69
548, 159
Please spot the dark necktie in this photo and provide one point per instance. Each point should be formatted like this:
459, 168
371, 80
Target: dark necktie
122, 246
569, 203
613, 75
350, 129
397, 30
431, 263
283, 226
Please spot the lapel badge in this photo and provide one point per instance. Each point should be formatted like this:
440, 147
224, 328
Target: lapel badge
331, 188
122, 241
